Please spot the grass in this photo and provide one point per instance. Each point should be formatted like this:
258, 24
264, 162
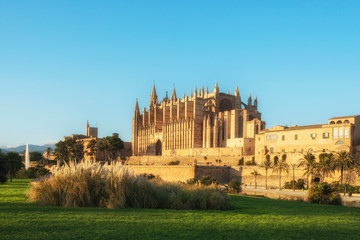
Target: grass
252, 218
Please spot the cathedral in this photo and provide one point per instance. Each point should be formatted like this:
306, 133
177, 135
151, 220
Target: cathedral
203, 123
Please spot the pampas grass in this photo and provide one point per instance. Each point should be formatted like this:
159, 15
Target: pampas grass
91, 184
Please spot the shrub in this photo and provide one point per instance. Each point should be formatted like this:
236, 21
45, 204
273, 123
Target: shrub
115, 186
250, 163
177, 162
148, 175
208, 180
234, 186
341, 187
300, 184
323, 193
32, 172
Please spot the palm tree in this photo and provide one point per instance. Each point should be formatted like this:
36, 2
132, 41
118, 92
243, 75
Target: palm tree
279, 167
256, 174
309, 165
343, 161
267, 164
326, 166
293, 170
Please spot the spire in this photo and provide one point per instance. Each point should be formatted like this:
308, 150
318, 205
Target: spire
153, 96
191, 94
173, 95
249, 100
216, 88
195, 92
136, 109
237, 98
184, 96
237, 91
255, 102
207, 90
202, 92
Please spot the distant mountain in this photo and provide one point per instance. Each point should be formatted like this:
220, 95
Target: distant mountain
32, 148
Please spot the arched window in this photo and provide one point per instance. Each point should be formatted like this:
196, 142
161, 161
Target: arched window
339, 122
346, 121
339, 143
225, 105
332, 122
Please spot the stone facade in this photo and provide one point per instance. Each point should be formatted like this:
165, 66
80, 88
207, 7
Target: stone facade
340, 133
204, 122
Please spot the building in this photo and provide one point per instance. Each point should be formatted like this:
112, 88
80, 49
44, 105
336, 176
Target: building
340, 133
202, 123
91, 133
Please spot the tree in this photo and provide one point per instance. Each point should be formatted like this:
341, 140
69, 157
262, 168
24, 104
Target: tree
61, 152
326, 166
276, 159
36, 156
92, 148
112, 145
14, 163
279, 167
3, 167
69, 150
76, 150
309, 165
255, 173
267, 164
293, 170
343, 161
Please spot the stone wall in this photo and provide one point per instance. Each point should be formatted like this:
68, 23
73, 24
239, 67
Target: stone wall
167, 173
223, 174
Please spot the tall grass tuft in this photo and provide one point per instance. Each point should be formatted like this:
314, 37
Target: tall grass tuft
91, 184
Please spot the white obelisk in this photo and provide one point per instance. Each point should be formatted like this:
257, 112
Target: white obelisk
27, 157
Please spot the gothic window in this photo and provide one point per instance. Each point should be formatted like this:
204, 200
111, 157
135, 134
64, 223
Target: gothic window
209, 106
225, 105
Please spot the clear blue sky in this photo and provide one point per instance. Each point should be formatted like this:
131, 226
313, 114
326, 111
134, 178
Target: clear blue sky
65, 62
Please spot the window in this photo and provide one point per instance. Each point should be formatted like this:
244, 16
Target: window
313, 135
268, 137
296, 137
326, 135
346, 133
335, 133
294, 150
283, 150
272, 149
259, 139
275, 136
341, 133
283, 137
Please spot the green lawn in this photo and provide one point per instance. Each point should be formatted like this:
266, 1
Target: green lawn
252, 218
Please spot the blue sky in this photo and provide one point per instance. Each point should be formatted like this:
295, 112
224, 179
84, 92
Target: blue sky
65, 62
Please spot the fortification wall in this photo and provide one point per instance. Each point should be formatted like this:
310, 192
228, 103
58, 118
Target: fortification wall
223, 174
201, 160
215, 152
167, 173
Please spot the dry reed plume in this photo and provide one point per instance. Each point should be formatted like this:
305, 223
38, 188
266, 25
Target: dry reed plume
91, 184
